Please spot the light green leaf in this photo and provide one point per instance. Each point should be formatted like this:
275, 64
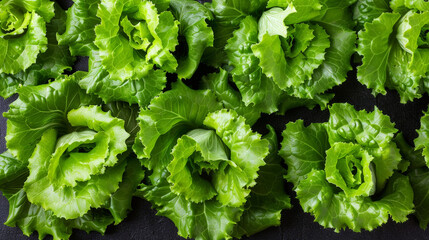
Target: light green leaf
319, 197
375, 47
40, 108
79, 34
140, 91
303, 149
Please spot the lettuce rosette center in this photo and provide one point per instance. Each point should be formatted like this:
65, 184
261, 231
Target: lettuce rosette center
197, 157
13, 20
349, 167
134, 37
138, 33
66, 171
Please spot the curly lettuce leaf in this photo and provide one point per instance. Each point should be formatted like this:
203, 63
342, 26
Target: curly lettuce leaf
231, 99
128, 113
50, 64
304, 149
13, 174
396, 56
267, 198
46, 106
346, 171
319, 197
120, 202
419, 179
421, 142
373, 131
349, 167
207, 220
256, 89
201, 158
147, 38
232, 12
165, 115
367, 10
294, 64
79, 34
372, 72
23, 33
29, 218
193, 27
72, 174
231, 183
141, 91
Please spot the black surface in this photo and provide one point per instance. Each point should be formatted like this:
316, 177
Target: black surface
142, 223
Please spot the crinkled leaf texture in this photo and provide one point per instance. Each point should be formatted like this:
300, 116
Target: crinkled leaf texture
346, 171
140, 91
47, 107
48, 65
71, 168
230, 98
291, 54
393, 47
29, 217
134, 37
192, 16
204, 161
23, 33
79, 34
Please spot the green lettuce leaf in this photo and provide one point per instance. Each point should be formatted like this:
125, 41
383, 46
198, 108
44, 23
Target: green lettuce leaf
367, 10
203, 162
419, 179
47, 106
373, 131
267, 198
147, 38
230, 98
120, 202
79, 34
291, 54
49, 64
421, 142
193, 27
393, 47
141, 91
346, 171
356, 212
70, 175
30, 218
256, 88
23, 33
303, 149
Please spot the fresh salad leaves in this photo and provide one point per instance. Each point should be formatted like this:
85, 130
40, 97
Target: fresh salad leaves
29, 51
203, 163
346, 172
393, 46
67, 165
288, 51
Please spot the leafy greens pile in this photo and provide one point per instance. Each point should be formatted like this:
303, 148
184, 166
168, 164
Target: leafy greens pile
82, 144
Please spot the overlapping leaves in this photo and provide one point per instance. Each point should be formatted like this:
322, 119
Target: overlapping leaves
204, 161
393, 44
67, 166
346, 172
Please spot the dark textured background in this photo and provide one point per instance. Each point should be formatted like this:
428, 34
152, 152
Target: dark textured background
142, 223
